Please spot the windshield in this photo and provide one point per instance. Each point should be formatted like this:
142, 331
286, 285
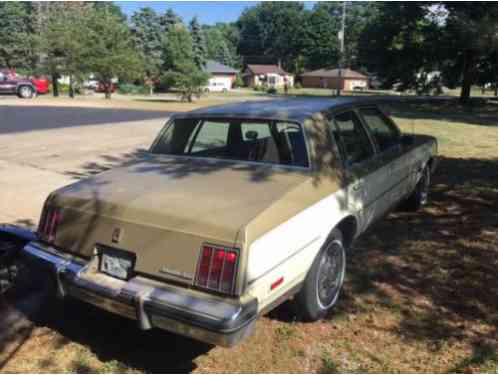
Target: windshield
273, 142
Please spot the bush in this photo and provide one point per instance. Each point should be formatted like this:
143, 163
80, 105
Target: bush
239, 82
130, 89
298, 85
271, 90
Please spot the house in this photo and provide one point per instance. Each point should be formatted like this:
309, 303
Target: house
329, 78
270, 75
222, 76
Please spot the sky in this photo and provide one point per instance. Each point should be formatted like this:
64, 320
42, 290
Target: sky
208, 12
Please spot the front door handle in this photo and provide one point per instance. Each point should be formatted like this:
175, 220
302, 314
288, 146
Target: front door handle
357, 186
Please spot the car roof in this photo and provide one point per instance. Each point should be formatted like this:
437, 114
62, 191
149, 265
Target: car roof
295, 109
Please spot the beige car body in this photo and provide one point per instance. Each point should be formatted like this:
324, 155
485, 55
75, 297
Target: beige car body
164, 208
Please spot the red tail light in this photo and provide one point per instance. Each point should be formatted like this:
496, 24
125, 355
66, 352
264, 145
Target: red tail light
217, 268
47, 229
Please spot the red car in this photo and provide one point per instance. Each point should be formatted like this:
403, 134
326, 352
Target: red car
41, 85
101, 87
11, 83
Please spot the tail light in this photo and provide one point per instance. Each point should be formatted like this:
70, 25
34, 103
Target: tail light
217, 268
50, 219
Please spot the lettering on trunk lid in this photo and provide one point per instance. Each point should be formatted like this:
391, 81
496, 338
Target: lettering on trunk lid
183, 275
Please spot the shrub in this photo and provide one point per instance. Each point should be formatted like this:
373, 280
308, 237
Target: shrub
130, 89
239, 82
298, 85
271, 90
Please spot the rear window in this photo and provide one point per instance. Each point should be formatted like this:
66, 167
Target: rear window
276, 142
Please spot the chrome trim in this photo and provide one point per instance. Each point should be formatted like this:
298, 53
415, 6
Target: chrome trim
181, 311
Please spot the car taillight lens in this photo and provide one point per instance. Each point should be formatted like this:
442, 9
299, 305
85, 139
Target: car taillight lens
217, 268
50, 219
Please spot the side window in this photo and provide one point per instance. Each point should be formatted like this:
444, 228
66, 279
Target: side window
253, 131
351, 137
385, 133
210, 136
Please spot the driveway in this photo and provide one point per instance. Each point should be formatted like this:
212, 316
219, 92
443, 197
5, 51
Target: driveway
43, 147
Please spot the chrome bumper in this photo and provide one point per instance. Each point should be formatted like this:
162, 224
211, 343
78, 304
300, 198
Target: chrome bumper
209, 320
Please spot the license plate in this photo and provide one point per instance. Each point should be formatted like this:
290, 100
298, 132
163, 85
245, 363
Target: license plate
116, 263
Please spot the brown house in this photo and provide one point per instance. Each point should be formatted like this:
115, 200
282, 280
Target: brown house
329, 79
270, 75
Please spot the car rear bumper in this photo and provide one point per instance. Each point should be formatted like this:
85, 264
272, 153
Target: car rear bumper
172, 309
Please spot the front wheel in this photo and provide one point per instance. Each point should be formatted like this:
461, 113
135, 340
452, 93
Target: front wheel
324, 281
26, 92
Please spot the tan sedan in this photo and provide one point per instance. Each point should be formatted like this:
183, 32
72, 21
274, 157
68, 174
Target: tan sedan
234, 210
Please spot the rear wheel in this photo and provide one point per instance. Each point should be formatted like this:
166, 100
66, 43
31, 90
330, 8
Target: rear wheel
324, 281
420, 196
25, 92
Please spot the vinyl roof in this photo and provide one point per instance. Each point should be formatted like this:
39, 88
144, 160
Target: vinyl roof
296, 109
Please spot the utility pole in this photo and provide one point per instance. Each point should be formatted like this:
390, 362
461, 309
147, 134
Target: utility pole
341, 44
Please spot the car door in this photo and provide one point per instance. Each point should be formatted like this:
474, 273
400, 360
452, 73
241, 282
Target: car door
387, 139
364, 180
4, 85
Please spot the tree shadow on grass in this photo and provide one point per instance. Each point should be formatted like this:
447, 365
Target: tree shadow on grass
436, 268
481, 113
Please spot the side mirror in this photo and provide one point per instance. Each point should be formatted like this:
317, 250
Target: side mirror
407, 140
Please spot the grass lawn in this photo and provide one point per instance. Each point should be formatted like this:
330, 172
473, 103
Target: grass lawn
421, 293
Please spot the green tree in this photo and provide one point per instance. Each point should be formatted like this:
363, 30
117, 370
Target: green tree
198, 43
320, 45
15, 36
470, 38
358, 14
181, 70
273, 31
64, 42
168, 20
112, 53
399, 42
147, 35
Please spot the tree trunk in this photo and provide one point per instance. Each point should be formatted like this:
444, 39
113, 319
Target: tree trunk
55, 85
71, 87
108, 90
496, 89
467, 75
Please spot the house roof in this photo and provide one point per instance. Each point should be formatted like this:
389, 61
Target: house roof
265, 69
212, 66
295, 109
333, 73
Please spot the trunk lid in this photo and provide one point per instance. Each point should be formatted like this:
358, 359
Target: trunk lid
165, 208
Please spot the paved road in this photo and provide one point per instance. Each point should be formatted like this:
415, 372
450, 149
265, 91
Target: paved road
15, 119
44, 147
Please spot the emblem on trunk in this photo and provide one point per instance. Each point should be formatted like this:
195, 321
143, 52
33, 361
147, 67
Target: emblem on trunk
117, 235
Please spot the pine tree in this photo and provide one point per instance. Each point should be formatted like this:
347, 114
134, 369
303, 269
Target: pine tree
198, 43
146, 32
168, 20
15, 43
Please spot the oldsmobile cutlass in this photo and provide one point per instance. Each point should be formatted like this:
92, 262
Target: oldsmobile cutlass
234, 210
